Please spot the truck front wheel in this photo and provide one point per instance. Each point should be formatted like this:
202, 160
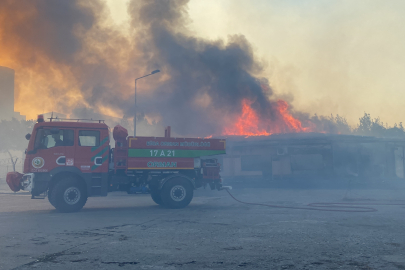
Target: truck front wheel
68, 195
177, 193
50, 197
156, 196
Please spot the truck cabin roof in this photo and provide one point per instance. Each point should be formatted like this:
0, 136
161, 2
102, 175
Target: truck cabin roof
66, 124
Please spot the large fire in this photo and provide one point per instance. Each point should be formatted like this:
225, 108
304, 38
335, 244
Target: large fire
64, 65
250, 124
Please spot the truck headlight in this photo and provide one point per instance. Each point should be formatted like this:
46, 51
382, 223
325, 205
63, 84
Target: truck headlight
27, 182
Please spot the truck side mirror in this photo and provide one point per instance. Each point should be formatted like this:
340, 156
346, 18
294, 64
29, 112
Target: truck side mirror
28, 136
32, 152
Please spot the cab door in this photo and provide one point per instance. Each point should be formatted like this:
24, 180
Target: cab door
92, 151
91, 158
50, 149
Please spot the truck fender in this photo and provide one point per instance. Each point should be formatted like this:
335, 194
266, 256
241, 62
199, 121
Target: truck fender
163, 181
56, 173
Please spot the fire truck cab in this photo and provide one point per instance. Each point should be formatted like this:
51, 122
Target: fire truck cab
61, 154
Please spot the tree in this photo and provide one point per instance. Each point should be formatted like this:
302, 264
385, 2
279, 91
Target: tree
342, 125
364, 127
331, 124
13, 160
375, 127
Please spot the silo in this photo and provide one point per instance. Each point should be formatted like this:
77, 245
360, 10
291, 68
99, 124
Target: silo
6, 93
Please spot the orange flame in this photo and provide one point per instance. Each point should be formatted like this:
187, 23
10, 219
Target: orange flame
250, 124
247, 124
294, 124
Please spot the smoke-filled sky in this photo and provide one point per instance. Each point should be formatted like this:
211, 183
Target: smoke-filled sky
340, 57
80, 57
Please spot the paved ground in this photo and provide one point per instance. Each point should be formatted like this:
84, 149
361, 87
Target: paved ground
130, 232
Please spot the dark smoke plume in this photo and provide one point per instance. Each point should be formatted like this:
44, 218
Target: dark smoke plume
69, 55
222, 72
65, 54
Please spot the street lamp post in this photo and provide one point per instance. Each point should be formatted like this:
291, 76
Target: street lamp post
153, 72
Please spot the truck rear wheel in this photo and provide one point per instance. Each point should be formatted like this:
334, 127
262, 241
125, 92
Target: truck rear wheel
156, 196
68, 195
177, 193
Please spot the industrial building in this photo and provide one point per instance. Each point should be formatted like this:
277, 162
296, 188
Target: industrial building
313, 155
7, 95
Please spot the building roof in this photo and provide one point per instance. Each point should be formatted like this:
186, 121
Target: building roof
306, 138
6, 69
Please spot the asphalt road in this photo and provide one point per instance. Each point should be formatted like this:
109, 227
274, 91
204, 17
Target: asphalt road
214, 232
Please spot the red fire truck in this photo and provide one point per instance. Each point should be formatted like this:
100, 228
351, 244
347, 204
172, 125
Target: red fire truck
69, 161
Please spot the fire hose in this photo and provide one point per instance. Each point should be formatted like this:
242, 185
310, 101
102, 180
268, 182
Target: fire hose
323, 206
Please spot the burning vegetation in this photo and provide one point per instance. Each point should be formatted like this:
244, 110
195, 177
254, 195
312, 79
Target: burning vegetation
250, 124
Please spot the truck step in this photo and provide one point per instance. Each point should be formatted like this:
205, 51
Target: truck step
40, 196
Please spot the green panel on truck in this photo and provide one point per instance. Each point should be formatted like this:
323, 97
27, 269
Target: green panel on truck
172, 153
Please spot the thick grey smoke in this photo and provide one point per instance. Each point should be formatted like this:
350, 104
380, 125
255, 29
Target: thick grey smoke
86, 66
66, 57
45, 28
222, 71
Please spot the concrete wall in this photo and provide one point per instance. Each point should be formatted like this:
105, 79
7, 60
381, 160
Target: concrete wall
373, 159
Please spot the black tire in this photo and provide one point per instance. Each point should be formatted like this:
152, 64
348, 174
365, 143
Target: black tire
156, 196
177, 193
68, 195
50, 197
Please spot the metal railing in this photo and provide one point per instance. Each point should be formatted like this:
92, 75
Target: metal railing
53, 119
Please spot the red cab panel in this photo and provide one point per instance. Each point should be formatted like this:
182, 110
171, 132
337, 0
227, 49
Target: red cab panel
92, 150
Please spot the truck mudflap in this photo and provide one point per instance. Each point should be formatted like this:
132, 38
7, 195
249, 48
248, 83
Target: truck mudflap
13, 180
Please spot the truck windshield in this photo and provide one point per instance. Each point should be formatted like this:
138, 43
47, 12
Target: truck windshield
45, 139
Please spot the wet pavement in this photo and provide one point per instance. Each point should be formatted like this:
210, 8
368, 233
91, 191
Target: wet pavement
124, 231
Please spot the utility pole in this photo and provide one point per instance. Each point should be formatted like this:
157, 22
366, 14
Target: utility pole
153, 72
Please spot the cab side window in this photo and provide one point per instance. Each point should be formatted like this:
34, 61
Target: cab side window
46, 138
89, 138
